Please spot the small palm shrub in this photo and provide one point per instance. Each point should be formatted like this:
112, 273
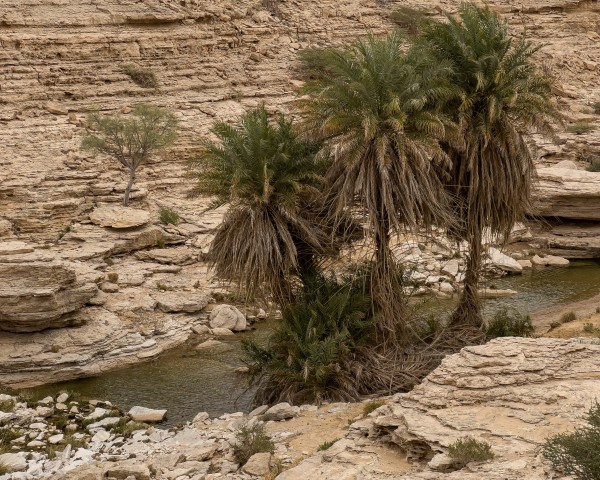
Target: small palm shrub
568, 317
250, 440
372, 406
580, 128
468, 449
143, 77
317, 353
169, 216
509, 323
577, 453
326, 445
409, 19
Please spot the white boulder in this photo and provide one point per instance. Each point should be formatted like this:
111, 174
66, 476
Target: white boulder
227, 316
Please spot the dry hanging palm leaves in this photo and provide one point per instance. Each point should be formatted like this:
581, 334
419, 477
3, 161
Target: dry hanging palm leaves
274, 226
501, 97
378, 110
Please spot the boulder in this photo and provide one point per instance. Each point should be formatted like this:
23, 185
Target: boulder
451, 268
281, 411
35, 296
567, 193
258, 464
227, 316
13, 462
503, 262
550, 261
143, 414
118, 217
189, 302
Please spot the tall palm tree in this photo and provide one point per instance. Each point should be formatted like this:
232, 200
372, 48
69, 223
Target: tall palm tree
269, 178
502, 96
377, 108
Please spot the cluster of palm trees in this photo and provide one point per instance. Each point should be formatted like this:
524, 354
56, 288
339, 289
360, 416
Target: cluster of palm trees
410, 134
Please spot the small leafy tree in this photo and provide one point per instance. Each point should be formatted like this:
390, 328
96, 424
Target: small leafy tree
131, 140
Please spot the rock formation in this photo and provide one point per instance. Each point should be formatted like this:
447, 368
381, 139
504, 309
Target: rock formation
37, 294
512, 393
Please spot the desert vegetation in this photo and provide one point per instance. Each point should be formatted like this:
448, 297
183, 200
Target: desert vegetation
131, 140
397, 136
576, 453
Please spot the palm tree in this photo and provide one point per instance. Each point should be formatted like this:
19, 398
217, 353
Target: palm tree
269, 178
502, 96
377, 109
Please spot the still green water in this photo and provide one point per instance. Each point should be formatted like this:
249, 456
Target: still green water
186, 381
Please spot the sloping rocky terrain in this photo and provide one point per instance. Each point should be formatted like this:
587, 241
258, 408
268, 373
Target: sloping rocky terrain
512, 392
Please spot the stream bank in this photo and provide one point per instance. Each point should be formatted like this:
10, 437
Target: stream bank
186, 380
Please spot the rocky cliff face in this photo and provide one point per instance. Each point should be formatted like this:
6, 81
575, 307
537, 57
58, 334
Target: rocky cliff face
60, 61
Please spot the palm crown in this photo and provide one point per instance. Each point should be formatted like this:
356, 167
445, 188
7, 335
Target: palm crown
269, 177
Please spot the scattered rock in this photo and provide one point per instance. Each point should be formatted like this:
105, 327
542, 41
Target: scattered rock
281, 411
143, 414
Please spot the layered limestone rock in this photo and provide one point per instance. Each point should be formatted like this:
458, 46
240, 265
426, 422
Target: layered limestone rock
567, 193
119, 217
512, 393
36, 295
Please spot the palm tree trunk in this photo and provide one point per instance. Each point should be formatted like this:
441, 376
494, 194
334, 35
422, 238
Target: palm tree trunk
128, 188
468, 310
386, 290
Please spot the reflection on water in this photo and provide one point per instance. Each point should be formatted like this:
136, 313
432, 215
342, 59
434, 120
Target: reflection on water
187, 381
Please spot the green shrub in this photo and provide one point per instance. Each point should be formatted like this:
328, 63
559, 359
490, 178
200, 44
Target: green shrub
169, 217
468, 449
250, 440
315, 353
113, 277
596, 107
7, 405
6, 436
372, 406
577, 453
143, 77
580, 128
126, 427
568, 317
554, 325
326, 445
594, 164
509, 323
589, 328
4, 468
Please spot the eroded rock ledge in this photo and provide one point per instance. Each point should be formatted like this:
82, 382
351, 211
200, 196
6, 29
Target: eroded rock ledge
512, 392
